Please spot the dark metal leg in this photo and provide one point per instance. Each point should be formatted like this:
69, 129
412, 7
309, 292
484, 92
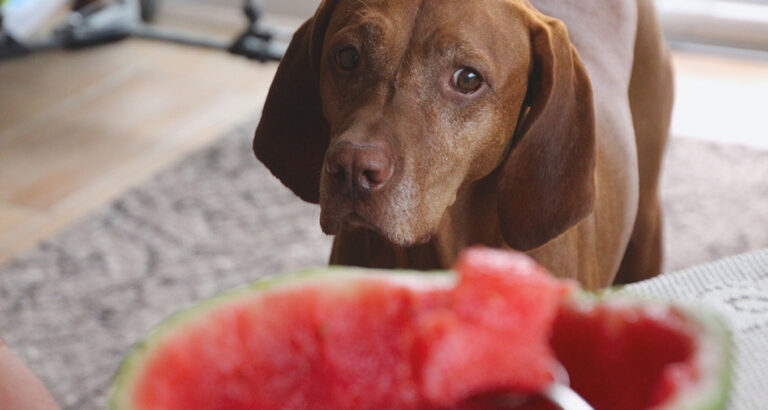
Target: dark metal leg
9, 47
256, 42
149, 9
100, 22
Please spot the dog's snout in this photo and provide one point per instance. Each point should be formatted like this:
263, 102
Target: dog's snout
361, 168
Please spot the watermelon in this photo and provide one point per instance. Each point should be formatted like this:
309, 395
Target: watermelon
498, 328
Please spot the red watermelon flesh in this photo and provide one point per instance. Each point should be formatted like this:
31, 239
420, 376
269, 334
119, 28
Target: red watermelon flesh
374, 342
621, 358
492, 333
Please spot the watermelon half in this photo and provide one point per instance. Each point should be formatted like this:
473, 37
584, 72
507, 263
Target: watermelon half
497, 330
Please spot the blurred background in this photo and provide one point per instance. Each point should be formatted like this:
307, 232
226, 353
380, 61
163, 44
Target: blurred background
80, 126
128, 188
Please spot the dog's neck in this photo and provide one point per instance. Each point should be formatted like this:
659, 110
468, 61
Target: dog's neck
471, 220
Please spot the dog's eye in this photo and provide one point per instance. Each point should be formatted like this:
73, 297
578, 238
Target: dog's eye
467, 80
348, 58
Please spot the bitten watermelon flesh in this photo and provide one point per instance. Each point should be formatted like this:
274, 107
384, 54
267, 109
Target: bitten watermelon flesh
347, 338
493, 331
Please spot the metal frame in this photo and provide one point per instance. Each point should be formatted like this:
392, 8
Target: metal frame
98, 24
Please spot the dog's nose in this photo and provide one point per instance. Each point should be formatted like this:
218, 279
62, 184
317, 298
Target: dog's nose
363, 168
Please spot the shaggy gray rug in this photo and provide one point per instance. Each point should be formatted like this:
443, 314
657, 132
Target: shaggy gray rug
72, 307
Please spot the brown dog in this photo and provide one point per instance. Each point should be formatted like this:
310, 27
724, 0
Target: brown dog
425, 126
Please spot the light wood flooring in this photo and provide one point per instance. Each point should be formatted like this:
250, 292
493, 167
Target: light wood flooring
79, 128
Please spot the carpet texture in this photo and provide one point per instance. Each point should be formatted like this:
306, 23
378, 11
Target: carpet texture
72, 307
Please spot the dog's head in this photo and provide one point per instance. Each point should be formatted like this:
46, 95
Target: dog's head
382, 110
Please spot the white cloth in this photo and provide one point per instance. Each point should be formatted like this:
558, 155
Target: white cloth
737, 287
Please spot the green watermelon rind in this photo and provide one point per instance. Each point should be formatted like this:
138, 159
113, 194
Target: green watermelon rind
708, 394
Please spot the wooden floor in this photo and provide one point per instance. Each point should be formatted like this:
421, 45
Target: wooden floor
79, 128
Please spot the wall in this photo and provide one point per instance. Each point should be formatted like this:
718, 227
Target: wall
294, 8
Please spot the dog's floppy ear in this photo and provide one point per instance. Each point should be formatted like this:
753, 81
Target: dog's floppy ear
292, 136
547, 180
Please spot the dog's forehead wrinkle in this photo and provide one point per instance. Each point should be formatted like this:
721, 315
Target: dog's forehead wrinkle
411, 38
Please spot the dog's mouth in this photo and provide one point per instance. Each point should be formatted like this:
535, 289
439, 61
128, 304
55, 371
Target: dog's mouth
355, 220
394, 213
333, 221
